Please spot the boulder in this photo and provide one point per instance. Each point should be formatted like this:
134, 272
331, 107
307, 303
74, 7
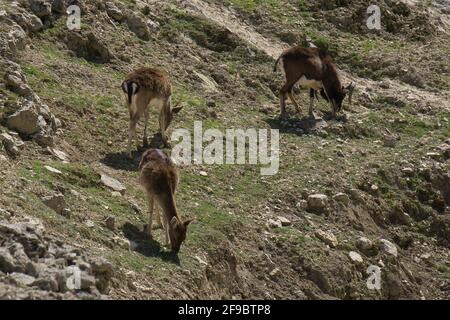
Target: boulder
7, 261
138, 26
317, 203
26, 121
41, 8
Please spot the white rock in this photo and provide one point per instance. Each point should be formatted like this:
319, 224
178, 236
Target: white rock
52, 170
355, 257
113, 184
389, 247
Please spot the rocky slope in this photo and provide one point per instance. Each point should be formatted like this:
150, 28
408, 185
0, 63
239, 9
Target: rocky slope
369, 189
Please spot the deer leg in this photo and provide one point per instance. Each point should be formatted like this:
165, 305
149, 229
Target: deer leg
145, 141
132, 133
151, 207
165, 111
312, 94
291, 96
158, 217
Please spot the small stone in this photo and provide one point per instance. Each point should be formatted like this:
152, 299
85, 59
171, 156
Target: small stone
44, 140
110, 223
356, 196
55, 202
388, 247
355, 257
110, 143
66, 212
113, 11
365, 246
52, 170
408, 171
274, 272
342, 197
203, 173
60, 155
89, 223
113, 184
274, 223
284, 222
327, 237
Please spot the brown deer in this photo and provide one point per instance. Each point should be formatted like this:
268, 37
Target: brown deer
144, 87
312, 68
159, 177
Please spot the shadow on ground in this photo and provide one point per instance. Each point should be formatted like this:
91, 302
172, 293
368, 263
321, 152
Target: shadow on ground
305, 124
146, 245
120, 160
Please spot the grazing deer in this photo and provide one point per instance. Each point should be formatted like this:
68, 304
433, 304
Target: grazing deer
159, 177
312, 68
144, 87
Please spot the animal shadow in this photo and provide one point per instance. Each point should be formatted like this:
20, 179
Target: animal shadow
120, 160
298, 126
146, 245
304, 125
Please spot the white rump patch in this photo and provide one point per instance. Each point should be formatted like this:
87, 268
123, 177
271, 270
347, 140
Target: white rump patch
134, 86
310, 83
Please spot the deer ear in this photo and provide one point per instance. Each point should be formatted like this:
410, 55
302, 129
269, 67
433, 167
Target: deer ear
176, 110
187, 222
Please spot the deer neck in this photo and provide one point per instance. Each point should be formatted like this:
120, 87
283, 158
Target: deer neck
168, 206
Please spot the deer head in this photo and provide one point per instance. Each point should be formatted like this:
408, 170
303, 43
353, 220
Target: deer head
177, 233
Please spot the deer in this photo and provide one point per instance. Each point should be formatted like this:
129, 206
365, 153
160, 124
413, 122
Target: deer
312, 68
160, 178
144, 87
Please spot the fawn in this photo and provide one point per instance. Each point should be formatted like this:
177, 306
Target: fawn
144, 87
159, 177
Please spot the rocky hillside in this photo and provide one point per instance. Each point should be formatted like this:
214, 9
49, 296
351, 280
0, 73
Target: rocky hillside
371, 188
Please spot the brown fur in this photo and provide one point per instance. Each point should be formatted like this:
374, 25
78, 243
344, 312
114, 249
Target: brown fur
159, 177
143, 87
314, 64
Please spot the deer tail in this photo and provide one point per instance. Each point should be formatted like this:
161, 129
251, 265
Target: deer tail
130, 88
